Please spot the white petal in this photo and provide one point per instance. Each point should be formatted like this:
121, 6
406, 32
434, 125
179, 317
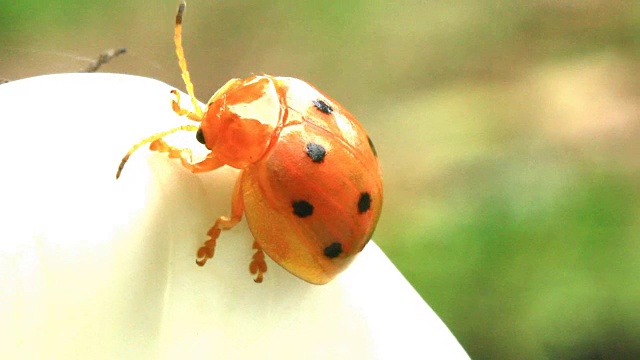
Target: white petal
91, 267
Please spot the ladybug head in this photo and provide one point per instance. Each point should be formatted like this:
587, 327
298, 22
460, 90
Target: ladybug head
240, 120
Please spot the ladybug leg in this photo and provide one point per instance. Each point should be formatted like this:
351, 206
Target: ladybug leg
185, 156
258, 266
152, 139
191, 115
206, 251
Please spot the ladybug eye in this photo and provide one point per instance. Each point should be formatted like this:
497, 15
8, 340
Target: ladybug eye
333, 250
364, 203
200, 136
323, 106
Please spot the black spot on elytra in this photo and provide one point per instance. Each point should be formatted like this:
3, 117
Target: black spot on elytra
323, 106
364, 203
200, 136
333, 250
302, 208
316, 152
373, 148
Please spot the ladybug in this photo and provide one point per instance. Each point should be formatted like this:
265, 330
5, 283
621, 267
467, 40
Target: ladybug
310, 184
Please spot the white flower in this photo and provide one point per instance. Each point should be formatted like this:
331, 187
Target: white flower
91, 267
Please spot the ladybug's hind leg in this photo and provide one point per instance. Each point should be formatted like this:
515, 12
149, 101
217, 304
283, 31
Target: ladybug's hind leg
206, 251
258, 266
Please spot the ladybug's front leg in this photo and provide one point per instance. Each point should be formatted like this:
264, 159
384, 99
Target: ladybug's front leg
191, 115
185, 156
206, 251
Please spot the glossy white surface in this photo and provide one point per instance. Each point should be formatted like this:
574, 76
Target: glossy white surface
91, 267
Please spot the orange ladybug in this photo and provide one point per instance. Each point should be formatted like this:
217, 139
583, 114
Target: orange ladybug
310, 184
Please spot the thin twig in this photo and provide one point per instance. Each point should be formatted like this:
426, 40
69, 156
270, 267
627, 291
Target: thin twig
104, 58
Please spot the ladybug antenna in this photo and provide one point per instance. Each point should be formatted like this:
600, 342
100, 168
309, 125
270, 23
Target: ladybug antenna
177, 38
152, 138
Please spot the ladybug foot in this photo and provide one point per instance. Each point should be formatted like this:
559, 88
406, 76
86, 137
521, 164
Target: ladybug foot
175, 106
206, 252
258, 266
160, 145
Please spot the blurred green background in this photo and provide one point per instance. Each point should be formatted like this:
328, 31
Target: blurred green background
509, 134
